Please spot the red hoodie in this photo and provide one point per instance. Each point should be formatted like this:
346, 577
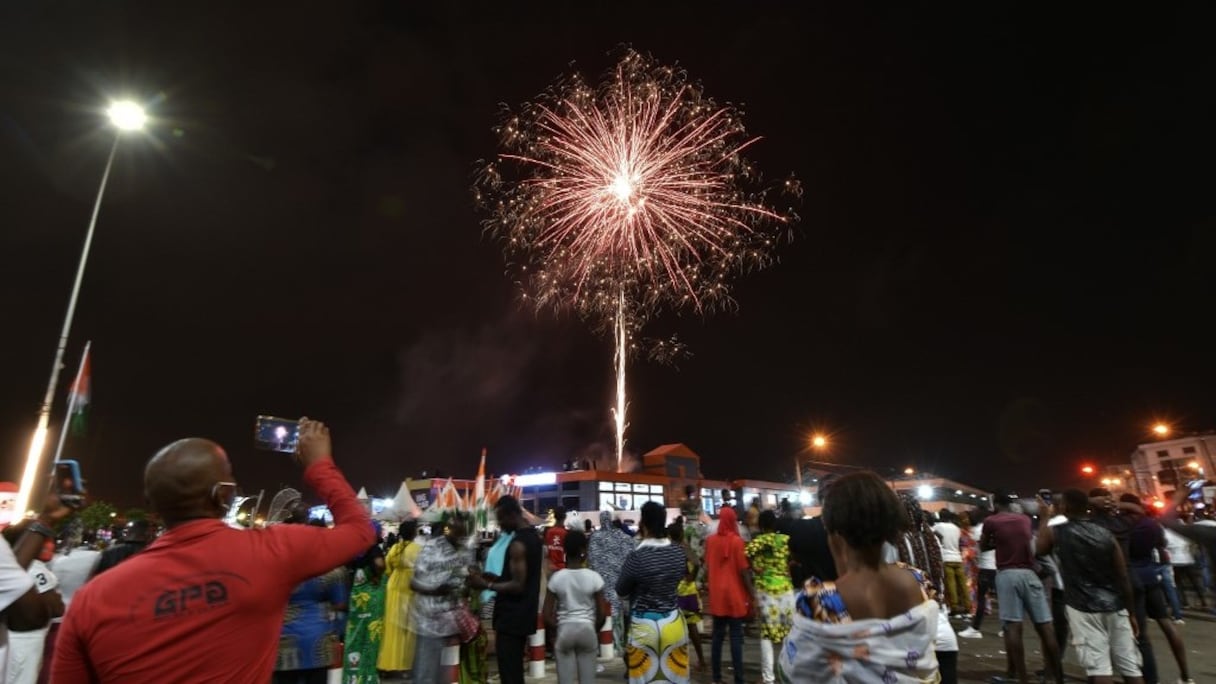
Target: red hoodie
205, 602
725, 560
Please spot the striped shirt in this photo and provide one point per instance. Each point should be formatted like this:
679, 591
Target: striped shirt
650, 576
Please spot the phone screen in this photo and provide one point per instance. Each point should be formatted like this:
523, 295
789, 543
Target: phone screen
276, 434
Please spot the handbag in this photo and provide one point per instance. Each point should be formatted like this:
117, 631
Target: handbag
467, 624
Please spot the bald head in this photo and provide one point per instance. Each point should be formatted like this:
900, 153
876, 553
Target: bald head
179, 480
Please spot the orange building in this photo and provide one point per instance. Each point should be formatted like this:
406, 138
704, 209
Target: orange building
666, 471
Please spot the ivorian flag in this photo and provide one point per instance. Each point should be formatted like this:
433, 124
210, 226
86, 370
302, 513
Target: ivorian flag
78, 398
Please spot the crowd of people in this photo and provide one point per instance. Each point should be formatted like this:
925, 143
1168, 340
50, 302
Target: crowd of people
866, 591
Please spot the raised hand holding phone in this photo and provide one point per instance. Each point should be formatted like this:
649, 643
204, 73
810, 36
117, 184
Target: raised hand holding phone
315, 444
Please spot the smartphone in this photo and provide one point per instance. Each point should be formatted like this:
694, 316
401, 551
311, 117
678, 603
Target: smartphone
271, 433
67, 484
1045, 494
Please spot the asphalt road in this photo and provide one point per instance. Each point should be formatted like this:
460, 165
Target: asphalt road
981, 659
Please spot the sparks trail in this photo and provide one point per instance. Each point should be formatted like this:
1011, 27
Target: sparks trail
625, 198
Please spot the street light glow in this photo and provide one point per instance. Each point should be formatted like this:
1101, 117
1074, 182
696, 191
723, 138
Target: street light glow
126, 115
819, 441
1087, 470
1161, 430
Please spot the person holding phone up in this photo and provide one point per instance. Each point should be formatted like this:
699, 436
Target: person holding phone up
205, 601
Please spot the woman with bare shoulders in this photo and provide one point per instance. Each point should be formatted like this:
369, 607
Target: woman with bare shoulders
875, 623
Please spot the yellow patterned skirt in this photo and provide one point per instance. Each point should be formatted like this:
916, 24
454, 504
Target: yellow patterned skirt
657, 649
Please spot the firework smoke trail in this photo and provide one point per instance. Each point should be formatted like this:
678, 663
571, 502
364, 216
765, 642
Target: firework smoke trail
619, 200
619, 358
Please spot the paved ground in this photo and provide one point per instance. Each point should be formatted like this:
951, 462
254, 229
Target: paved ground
981, 659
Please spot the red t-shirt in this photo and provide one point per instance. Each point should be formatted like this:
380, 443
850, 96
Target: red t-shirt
555, 547
1010, 533
725, 559
205, 602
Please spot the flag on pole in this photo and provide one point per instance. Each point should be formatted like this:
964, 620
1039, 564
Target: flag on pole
479, 489
78, 398
481, 512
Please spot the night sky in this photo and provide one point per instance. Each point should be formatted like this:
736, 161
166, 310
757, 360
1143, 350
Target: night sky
1004, 267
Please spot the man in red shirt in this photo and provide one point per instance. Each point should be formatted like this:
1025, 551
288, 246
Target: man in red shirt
205, 602
1019, 591
555, 542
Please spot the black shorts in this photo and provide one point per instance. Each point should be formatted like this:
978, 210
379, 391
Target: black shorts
1155, 606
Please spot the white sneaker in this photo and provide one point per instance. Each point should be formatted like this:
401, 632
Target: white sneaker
971, 633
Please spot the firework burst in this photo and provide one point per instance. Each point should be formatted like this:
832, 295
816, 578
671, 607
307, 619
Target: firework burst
627, 197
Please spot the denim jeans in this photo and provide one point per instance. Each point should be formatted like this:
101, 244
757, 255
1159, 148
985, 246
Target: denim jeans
736, 646
1171, 591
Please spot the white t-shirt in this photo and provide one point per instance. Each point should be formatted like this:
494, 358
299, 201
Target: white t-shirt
73, 570
949, 533
14, 582
575, 591
25, 648
987, 559
1179, 548
1056, 520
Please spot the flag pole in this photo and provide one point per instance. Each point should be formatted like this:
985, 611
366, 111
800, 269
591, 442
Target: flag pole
72, 394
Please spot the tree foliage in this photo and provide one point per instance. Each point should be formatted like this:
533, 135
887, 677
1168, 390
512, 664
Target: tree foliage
97, 515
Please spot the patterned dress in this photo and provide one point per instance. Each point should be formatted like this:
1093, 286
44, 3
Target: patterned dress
309, 639
827, 645
364, 630
607, 549
657, 646
970, 550
473, 668
769, 555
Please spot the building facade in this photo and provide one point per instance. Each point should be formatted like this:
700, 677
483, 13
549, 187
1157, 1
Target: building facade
666, 473
1159, 468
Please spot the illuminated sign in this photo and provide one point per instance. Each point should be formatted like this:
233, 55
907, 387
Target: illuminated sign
535, 479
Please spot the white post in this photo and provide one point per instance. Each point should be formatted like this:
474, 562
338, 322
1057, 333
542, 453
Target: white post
33, 460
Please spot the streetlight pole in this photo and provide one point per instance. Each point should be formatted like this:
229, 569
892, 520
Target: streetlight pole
819, 443
125, 116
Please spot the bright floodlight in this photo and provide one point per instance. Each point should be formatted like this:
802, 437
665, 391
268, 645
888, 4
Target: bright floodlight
924, 492
1161, 429
819, 441
126, 115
